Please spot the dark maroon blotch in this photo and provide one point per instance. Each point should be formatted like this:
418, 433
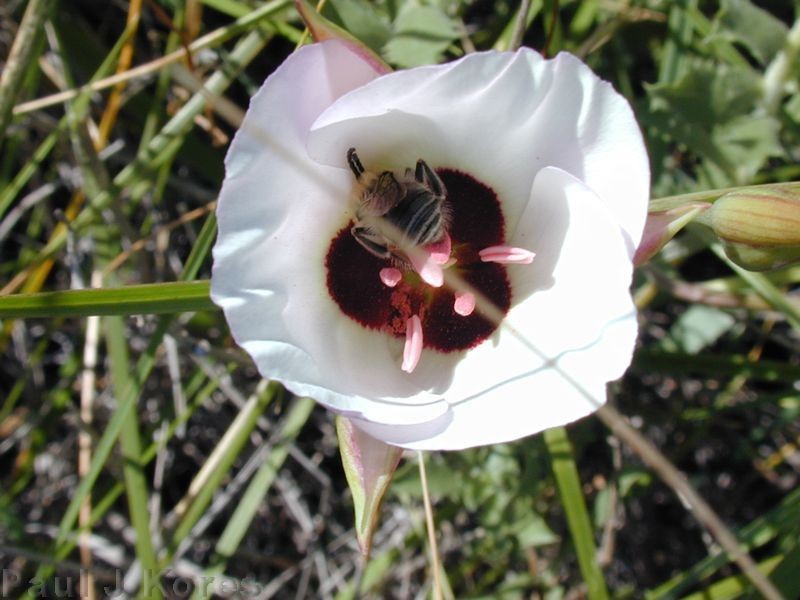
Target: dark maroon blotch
447, 331
354, 281
475, 215
476, 222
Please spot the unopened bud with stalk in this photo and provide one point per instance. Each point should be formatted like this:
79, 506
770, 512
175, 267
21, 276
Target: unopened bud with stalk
759, 227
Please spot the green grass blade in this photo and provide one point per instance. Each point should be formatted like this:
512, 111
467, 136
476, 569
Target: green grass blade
785, 575
167, 142
105, 504
759, 532
144, 366
580, 526
79, 105
200, 249
154, 298
136, 486
216, 467
239, 523
22, 56
735, 586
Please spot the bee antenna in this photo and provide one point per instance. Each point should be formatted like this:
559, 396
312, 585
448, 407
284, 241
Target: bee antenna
355, 164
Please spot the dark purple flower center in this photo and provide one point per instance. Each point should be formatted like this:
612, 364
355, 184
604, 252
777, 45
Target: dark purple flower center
476, 222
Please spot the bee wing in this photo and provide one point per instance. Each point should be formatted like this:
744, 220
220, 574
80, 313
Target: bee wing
386, 193
428, 177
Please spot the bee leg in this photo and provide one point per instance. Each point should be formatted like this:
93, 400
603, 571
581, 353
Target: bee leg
373, 242
428, 177
355, 163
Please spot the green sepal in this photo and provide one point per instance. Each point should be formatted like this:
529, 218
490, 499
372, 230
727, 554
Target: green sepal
369, 466
662, 226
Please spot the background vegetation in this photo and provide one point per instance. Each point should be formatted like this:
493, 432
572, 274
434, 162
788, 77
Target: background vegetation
146, 444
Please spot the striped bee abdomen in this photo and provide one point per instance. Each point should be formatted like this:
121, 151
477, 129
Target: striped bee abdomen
419, 216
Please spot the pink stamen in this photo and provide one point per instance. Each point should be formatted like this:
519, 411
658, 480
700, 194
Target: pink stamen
390, 276
440, 251
429, 270
464, 304
507, 255
413, 348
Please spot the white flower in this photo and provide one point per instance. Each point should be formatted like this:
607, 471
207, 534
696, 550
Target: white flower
536, 155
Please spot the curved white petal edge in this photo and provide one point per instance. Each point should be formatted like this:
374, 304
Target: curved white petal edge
564, 154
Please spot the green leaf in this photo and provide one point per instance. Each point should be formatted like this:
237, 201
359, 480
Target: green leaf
747, 142
754, 28
708, 93
585, 17
532, 530
362, 19
421, 35
710, 111
441, 483
700, 326
233, 8
603, 507
322, 29
154, 298
630, 478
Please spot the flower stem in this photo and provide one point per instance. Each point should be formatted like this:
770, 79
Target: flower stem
431, 527
668, 202
520, 26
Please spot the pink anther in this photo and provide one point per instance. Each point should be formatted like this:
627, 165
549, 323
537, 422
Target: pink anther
413, 348
464, 304
429, 270
507, 255
440, 251
391, 276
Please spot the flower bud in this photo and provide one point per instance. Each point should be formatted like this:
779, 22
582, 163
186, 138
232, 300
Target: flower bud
759, 227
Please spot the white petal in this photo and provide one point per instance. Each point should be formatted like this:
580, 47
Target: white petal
277, 214
279, 210
579, 329
500, 117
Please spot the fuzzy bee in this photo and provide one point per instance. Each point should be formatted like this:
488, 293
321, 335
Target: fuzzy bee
398, 211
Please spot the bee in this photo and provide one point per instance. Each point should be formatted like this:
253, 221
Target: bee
397, 211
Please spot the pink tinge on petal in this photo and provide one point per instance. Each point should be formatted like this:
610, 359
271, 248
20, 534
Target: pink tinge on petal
662, 226
428, 268
440, 251
413, 348
464, 304
507, 255
390, 276
321, 29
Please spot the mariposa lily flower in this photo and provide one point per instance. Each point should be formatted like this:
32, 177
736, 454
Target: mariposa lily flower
545, 183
